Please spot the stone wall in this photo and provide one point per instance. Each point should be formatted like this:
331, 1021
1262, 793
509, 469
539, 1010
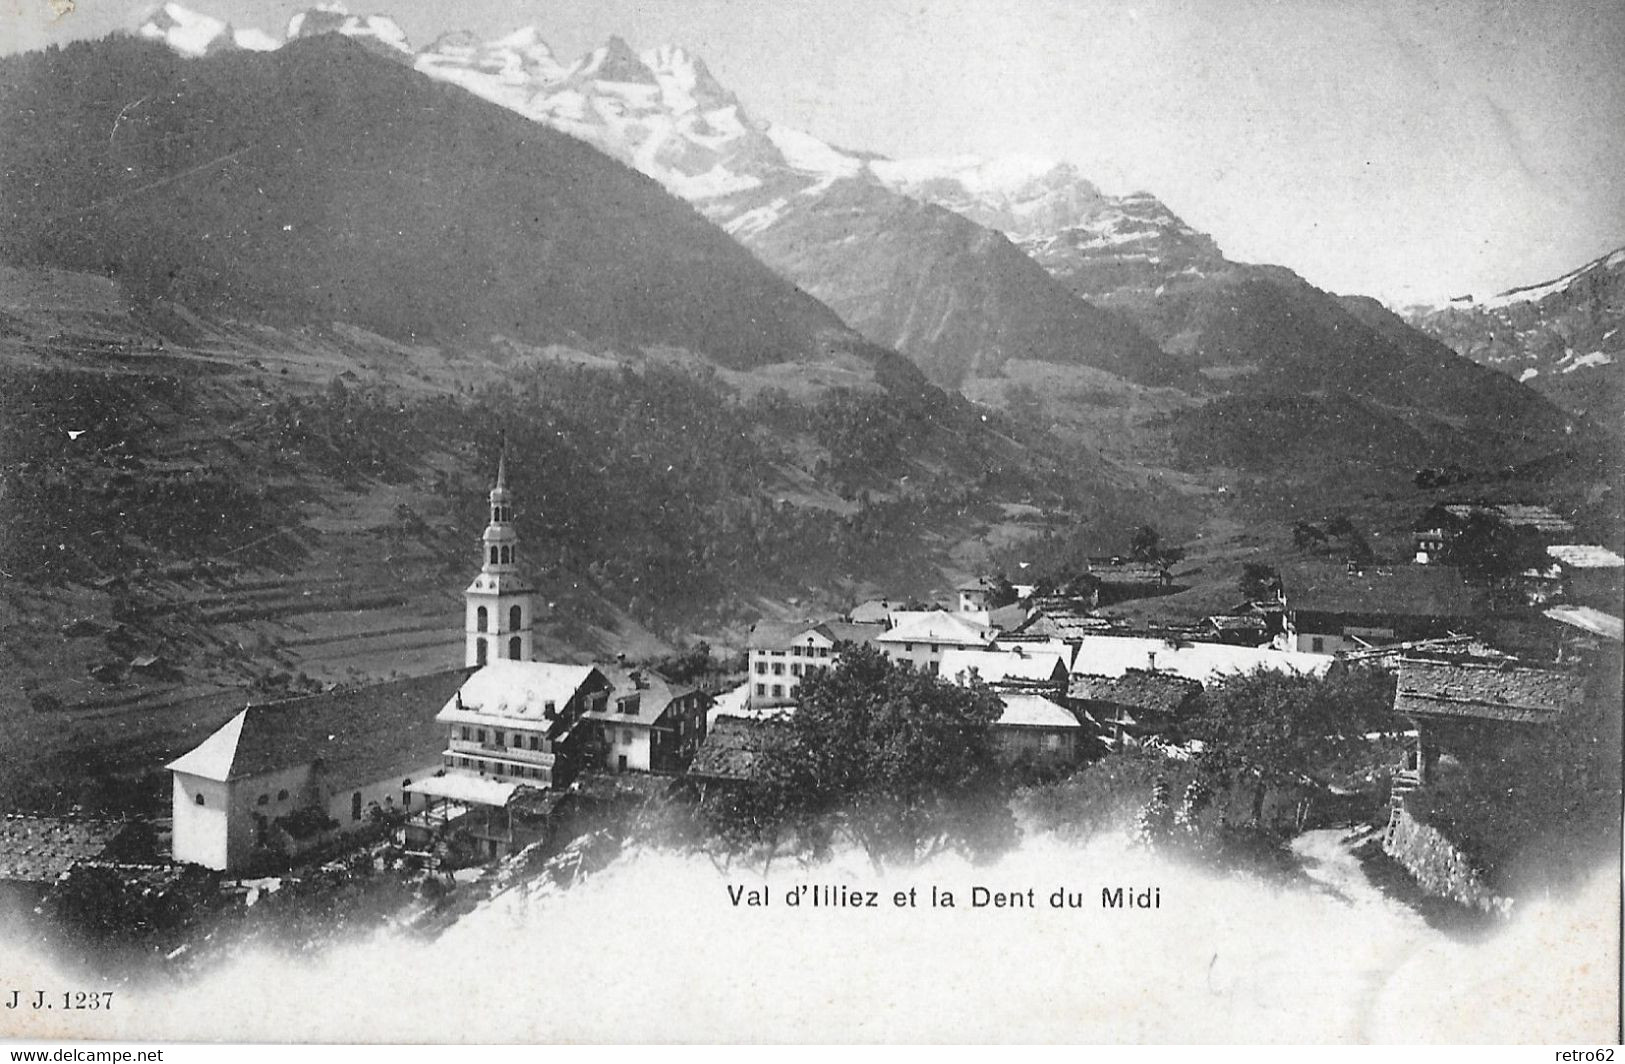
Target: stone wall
1438, 865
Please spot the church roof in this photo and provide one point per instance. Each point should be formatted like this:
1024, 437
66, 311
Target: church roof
358, 733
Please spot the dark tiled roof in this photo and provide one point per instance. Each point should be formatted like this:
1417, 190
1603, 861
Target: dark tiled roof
39, 849
359, 733
1486, 691
1154, 691
734, 747
1124, 571
1396, 590
776, 635
853, 631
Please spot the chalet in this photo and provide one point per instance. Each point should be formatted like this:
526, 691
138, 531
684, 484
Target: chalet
1017, 666
522, 721
1333, 606
734, 753
781, 655
651, 724
1206, 663
1591, 575
922, 639
1121, 579
1474, 707
1036, 730
280, 778
975, 596
1133, 705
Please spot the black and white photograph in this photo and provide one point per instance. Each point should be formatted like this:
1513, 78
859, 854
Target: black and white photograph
828, 521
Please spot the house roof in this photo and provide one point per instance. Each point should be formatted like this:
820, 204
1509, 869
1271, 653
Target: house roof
359, 734
1034, 711
1114, 655
853, 631
1394, 590
939, 626
777, 635
474, 790
1585, 556
1120, 571
1136, 688
1001, 666
1060, 625
517, 692
734, 747
1513, 514
875, 609
1590, 620
1486, 691
655, 694
39, 849
1007, 618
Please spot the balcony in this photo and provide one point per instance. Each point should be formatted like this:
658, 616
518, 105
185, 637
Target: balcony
518, 755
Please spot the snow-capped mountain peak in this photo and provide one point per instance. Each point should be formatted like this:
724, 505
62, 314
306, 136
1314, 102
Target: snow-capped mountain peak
194, 34
378, 31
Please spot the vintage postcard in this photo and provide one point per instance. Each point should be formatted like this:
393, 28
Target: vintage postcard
846, 521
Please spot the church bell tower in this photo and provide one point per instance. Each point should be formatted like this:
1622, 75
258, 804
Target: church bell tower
499, 601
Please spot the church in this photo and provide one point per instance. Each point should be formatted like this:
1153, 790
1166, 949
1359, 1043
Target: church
466, 749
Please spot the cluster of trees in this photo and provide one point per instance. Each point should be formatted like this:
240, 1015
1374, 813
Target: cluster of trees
897, 760
1337, 533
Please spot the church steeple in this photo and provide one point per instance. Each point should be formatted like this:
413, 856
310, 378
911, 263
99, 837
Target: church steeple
499, 600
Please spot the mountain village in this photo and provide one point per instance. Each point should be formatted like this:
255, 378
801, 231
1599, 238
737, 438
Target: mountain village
467, 767
789, 458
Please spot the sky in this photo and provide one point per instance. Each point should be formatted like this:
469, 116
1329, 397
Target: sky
1408, 150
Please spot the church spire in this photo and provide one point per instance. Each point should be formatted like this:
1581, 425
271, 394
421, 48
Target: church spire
499, 599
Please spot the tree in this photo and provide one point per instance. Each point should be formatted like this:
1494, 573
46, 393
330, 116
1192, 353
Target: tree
1488, 550
1146, 545
1258, 581
902, 761
1306, 535
1281, 727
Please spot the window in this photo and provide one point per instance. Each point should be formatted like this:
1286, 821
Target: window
626, 736
761, 668
481, 619
823, 652
621, 763
1317, 644
496, 738
778, 690
778, 668
493, 555
465, 733
761, 688
935, 649
479, 735
479, 652
1052, 742
515, 617
535, 742
515, 646
795, 652
264, 799
197, 799
795, 670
